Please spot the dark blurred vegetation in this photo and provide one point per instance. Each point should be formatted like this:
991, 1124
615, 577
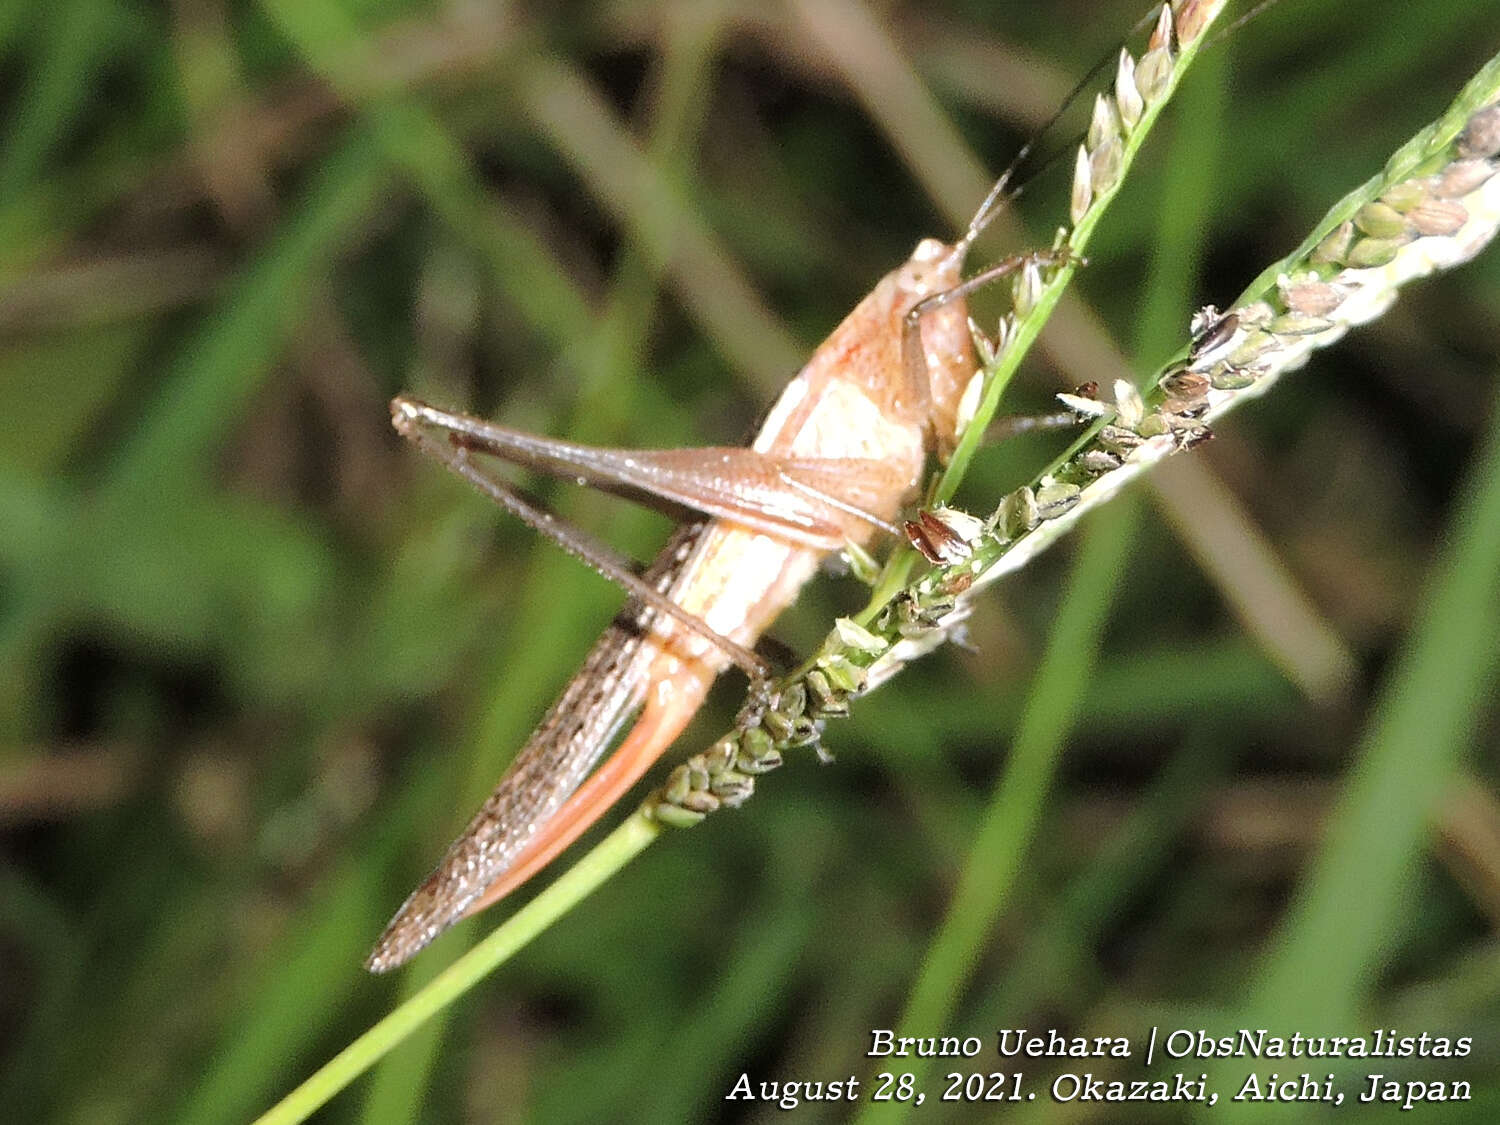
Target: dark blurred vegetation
258, 662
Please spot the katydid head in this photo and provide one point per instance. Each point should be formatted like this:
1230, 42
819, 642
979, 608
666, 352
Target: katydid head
934, 266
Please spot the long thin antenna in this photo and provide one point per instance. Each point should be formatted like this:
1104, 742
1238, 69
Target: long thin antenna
1239, 22
999, 196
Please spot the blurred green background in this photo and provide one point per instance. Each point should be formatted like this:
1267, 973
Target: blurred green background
258, 662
